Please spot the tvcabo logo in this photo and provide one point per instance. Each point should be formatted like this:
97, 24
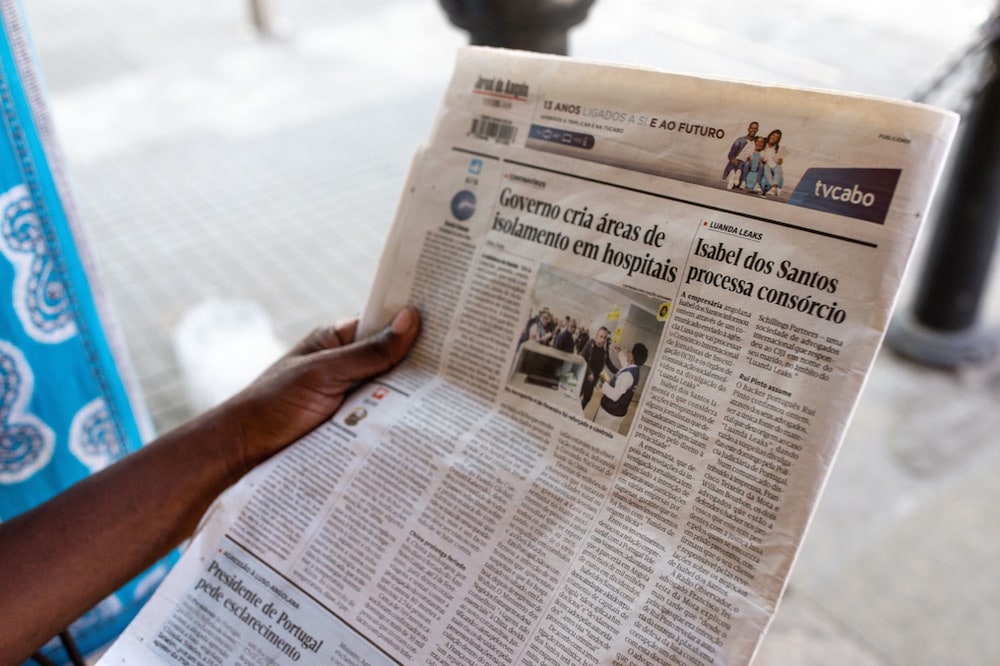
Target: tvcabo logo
853, 195
864, 194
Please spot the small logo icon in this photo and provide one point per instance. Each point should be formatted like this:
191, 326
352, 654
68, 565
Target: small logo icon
475, 166
463, 205
356, 416
561, 136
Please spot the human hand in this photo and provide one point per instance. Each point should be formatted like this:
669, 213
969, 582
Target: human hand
305, 387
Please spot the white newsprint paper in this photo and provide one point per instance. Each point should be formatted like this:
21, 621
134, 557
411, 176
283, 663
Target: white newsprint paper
650, 303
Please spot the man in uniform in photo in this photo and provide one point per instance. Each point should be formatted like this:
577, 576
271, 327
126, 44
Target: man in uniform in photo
619, 390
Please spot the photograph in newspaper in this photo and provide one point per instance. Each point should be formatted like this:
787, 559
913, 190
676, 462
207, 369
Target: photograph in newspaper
642, 343
585, 346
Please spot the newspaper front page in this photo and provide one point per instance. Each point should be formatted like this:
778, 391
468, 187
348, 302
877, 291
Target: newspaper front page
650, 303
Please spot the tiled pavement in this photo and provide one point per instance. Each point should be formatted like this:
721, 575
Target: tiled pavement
210, 163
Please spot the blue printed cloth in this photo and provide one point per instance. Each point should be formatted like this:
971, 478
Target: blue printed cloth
65, 409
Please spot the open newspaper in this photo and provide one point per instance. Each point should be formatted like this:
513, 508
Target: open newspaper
650, 303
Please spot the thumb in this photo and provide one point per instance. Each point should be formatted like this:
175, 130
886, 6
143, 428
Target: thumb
375, 354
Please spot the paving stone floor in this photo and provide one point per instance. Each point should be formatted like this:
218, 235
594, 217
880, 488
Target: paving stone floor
212, 164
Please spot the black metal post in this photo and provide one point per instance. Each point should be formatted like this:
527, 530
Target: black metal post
943, 329
530, 25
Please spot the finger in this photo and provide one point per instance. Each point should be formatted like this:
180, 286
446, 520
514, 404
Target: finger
326, 337
375, 354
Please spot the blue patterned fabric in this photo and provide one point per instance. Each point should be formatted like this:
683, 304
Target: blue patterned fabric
65, 409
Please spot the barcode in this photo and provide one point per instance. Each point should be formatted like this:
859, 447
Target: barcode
498, 129
498, 103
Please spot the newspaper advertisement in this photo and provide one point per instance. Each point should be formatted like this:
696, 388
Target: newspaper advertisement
649, 305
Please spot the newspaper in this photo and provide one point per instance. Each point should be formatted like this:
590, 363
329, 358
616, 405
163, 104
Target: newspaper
645, 331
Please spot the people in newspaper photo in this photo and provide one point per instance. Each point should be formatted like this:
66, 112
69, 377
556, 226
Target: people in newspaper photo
619, 389
755, 163
539, 328
733, 165
774, 159
599, 378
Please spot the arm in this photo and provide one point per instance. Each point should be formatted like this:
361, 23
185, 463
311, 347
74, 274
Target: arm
63, 557
622, 384
734, 150
540, 335
588, 350
610, 357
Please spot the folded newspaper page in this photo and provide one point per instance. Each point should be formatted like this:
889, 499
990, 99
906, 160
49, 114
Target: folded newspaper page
650, 303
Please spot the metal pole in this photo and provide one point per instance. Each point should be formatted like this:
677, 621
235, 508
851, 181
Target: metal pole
530, 25
265, 18
943, 328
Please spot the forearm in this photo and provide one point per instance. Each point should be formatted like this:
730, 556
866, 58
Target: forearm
62, 558
609, 362
623, 384
65, 556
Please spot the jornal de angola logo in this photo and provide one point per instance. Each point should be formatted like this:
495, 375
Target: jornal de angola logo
501, 87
